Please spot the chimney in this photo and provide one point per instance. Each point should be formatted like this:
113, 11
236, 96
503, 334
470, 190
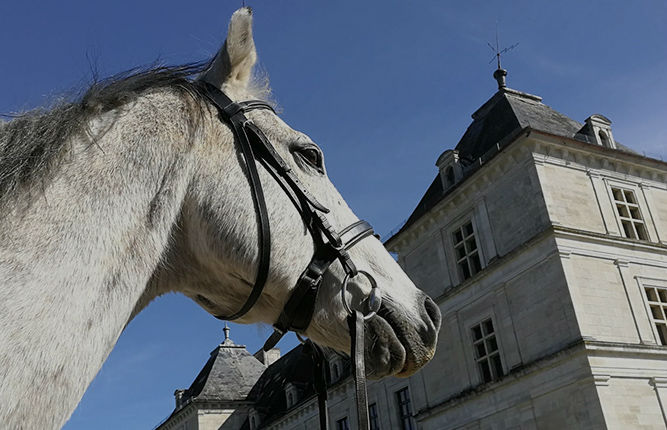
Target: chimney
269, 357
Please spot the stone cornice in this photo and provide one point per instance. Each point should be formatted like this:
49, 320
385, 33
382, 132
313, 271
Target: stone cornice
616, 242
573, 154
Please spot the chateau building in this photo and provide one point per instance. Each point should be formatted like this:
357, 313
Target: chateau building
544, 242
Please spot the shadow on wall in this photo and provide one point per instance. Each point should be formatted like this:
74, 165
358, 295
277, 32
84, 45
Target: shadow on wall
236, 420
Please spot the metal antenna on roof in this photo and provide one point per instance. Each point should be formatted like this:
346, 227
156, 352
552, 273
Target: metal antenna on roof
500, 73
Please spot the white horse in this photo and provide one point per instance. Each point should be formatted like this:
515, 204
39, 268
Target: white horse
137, 190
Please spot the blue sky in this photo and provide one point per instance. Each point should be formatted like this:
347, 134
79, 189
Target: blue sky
383, 86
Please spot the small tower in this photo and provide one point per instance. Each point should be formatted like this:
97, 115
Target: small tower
219, 392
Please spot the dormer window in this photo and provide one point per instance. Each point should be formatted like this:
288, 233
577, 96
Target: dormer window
603, 139
450, 169
335, 368
253, 419
597, 129
291, 395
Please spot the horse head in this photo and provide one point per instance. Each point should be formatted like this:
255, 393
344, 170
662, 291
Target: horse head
214, 255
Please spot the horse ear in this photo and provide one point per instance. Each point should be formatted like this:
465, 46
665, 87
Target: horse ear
233, 63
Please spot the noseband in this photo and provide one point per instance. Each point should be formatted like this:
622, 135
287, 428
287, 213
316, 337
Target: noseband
329, 247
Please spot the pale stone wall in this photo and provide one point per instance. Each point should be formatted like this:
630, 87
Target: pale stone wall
426, 265
570, 198
515, 205
541, 310
656, 195
559, 394
213, 419
527, 299
631, 403
602, 303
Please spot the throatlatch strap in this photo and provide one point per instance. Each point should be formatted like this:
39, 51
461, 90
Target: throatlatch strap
263, 231
356, 323
232, 113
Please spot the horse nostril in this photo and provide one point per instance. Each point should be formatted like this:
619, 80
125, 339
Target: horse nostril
433, 312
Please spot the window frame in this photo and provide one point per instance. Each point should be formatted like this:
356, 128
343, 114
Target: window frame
343, 423
499, 349
335, 369
407, 422
655, 284
291, 395
637, 204
374, 420
611, 215
455, 260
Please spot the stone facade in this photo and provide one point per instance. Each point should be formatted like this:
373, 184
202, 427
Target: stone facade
551, 324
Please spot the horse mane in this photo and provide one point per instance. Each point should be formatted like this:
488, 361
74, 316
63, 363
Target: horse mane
30, 144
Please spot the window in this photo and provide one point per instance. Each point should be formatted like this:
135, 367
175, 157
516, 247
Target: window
336, 372
335, 368
374, 420
487, 354
343, 424
404, 409
465, 247
629, 215
290, 395
604, 139
657, 302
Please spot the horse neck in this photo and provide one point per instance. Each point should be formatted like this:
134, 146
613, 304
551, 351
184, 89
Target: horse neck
75, 264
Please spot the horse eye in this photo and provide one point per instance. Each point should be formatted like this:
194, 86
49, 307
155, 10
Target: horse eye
312, 156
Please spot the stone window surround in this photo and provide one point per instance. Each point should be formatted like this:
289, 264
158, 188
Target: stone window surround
625, 199
645, 283
466, 251
488, 356
638, 189
466, 323
253, 419
343, 423
450, 250
291, 395
401, 417
335, 363
374, 416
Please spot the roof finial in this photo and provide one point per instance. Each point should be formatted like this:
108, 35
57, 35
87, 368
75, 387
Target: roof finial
226, 330
500, 73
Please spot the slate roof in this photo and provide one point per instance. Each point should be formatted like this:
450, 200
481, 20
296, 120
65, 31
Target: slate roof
296, 368
228, 375
505, 112
496, 124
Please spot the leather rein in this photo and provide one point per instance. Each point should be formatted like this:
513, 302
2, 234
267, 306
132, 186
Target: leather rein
330, 246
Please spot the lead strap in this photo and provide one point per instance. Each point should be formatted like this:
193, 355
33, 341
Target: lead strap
320, 382
356, 323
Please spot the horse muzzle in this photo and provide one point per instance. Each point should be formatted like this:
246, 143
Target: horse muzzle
400, 343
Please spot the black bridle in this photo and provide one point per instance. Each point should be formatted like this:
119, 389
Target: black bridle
329, 247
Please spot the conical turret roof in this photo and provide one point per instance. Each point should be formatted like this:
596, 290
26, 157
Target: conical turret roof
229, 374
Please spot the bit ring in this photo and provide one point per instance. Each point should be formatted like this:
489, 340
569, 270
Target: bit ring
374, 298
